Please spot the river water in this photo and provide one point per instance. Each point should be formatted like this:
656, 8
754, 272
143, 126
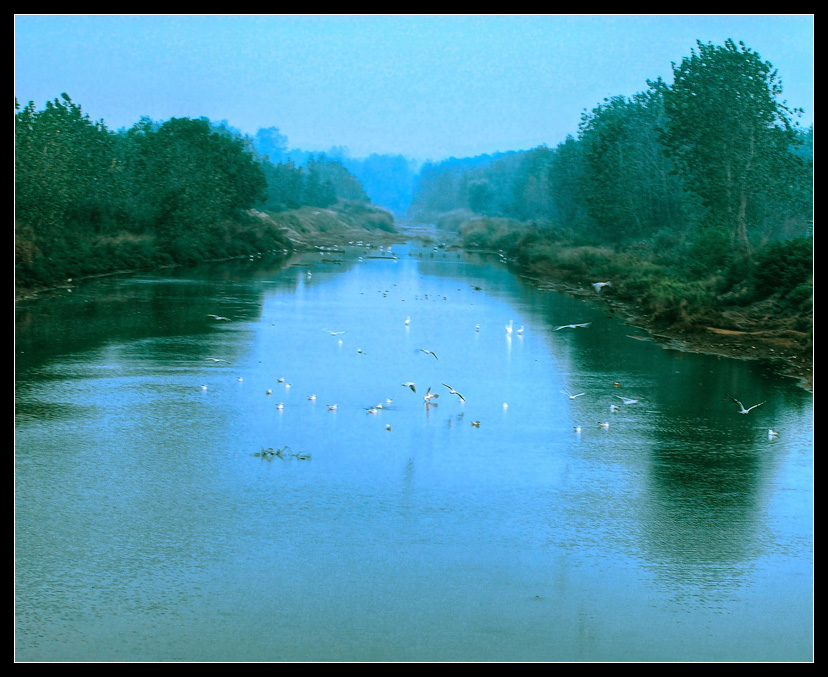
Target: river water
180, 497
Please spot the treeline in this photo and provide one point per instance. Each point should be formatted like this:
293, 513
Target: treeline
688, 191
89, 200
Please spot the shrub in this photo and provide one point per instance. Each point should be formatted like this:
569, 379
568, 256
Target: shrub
782, 266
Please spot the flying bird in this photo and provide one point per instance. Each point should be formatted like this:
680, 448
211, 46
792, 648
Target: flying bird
334, 333
570, 395
410, 384
742, 406
430, 396
218, 317
429, 352
598, 286
627, 400
772, 433
509, 327
454, 392
572, 326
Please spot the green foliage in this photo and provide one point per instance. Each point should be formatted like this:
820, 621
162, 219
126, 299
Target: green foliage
710, 252
90, 201
784, 267
729, 135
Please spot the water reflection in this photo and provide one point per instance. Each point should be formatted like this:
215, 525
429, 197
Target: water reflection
145, 508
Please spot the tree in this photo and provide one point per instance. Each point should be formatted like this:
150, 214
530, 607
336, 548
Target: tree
729, 134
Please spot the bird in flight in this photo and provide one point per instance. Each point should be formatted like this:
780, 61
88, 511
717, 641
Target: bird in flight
430, 396
334, 333
742, 409
772, 433
410, 384
429, 352
598, 286
627, 400
218, 317
454, 392
572, 326
570, 395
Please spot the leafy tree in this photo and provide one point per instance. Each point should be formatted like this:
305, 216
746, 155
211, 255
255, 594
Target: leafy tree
628, 186
729, 134
271, 142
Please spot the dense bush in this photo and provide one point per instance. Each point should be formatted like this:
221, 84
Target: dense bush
781, 267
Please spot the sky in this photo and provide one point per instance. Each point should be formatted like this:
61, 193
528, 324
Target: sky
425, 86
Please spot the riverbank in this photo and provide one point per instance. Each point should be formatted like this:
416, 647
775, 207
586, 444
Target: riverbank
786, 351
758, 331
754, 332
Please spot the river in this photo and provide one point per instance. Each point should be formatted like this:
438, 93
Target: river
223, 463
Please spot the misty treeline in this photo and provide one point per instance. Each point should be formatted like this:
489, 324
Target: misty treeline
694, 193
89, 200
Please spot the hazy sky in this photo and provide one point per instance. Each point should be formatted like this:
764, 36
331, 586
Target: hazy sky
425, 86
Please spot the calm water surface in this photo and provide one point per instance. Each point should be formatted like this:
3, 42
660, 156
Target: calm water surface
149, 527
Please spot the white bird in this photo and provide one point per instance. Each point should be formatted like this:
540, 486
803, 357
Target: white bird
218, 317
280, 406
334, 333
332, 407
627, 400
570, 395
772, 433
410, 384
430, 396
454, 392
605, 426
311, 397
475, 424
742, 406
407, 321
477, 327
598, 286
509, 327
204, 387
576, 429
215, 359
521, 330
615, 407
572, 326
429, 352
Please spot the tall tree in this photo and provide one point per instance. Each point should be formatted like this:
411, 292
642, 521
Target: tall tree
729, 133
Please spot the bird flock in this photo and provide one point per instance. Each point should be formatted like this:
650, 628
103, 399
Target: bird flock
430, 395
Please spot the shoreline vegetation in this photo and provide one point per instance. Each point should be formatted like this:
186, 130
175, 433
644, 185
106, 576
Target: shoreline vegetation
756, 331
694, 199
